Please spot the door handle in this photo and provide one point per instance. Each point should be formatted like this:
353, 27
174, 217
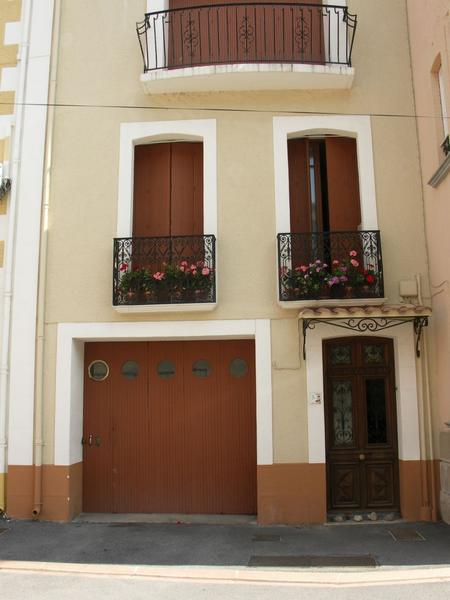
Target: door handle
362, 457
90, 439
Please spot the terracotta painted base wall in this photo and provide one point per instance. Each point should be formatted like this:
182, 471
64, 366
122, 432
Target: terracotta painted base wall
444, 467
418, 498
61, 492
287, 493
292, 493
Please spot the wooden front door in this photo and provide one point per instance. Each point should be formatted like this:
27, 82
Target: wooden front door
361, 424
171, 428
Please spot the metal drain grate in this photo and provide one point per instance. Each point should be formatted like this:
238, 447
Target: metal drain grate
266, 537
365, 560
400, 534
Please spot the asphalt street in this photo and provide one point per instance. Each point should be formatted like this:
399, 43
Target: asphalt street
220, 545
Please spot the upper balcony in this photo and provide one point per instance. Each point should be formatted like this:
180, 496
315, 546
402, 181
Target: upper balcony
331, 268
247, 46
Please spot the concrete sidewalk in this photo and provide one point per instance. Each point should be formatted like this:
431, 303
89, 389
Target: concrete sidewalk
226, 551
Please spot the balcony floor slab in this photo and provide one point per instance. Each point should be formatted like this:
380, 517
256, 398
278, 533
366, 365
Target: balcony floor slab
166, 308
248, 77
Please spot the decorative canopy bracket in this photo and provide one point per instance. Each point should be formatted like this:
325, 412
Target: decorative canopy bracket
368, 324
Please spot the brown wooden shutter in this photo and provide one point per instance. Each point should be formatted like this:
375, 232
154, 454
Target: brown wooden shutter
151, 205
168, 189
187, 189
299, 200
343, 184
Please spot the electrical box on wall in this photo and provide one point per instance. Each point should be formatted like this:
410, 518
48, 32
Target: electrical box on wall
408, 288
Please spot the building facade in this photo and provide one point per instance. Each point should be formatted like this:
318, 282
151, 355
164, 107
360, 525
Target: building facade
222, 310
429, 24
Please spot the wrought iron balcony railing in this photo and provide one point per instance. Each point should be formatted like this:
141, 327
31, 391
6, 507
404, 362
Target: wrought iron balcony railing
164, 270
248, 32
327, 265
446, 146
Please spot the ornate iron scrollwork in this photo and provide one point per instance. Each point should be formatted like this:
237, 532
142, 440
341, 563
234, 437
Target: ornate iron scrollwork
246, 35
302, 35
368, 324
190, 37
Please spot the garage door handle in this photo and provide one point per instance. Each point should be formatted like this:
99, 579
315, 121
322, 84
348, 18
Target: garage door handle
98, 441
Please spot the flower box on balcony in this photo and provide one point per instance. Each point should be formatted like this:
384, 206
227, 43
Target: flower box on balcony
330, 266
162, 274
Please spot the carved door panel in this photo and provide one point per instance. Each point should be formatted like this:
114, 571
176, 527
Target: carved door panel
361, 426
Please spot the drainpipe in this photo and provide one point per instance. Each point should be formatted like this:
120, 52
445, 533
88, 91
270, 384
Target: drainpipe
16, 146
429, 506
40, 324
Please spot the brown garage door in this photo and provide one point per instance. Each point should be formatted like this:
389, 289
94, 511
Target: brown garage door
171, 428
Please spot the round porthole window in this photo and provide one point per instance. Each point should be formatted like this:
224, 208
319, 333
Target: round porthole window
98, 370
130, 369
165, 369
202, 368
238, 368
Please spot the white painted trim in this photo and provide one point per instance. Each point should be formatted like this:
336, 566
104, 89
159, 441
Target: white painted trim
406, 384
443, 101
26, 243
358, 127
9, 79
157, 5
154, 6
334, 36
70, 366
132, 134
13, 31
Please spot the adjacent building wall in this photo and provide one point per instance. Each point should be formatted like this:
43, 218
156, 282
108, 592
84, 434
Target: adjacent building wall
429, 24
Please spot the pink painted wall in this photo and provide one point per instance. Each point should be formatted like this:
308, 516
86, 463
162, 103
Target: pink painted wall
429, 24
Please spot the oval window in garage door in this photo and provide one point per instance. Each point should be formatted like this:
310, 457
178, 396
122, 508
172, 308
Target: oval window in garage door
130, 369
98, 370
238, 368
202, 368
165, 369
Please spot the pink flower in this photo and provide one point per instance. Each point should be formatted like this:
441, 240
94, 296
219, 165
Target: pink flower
183, 263
354, 263
303, 268
123, 266
182, 268
353, 253
194, 272
158, 276
205, 271
335, 263
193, 267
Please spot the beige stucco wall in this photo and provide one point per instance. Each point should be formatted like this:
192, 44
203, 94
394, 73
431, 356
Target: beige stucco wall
429, 24
98, 70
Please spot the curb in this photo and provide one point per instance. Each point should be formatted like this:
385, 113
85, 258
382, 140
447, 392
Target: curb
311, 577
